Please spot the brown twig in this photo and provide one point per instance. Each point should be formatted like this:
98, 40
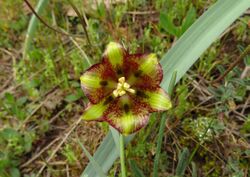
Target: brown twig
6, 83
64, 138
46, 24
82, 20
11, 88
40, 152
241, 57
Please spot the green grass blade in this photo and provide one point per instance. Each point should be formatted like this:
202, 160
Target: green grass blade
194, 170
182, 162
190, 18
180, 58
172, 83
159, 143
161, 130
105, 155
115, 135
167, 24
33, 26
93, 162
136, 171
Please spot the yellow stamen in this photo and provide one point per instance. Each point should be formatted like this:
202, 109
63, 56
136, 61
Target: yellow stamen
122, 88
121, 80
131, 90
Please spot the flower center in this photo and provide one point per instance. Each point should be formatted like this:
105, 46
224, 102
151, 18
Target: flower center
122, 88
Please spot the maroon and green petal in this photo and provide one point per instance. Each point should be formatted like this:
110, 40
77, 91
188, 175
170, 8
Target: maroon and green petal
143, 71
157, 100
127, 115
114, 55
96, 111
130, 112
98, 82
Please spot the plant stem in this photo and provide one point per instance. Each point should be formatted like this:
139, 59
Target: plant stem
122, 156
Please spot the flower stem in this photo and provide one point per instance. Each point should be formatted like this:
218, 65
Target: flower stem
122, 156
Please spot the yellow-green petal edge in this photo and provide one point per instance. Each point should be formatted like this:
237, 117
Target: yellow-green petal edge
159, 100
114, 53
94, 111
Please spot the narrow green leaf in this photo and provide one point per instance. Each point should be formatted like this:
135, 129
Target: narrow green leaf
33, 26
190, 18
161, 130
166, 23
194, 170
10, 99
105, 156
172, 83
72, 97
136, 171
182, 162
14, 172
115, 135
93, 162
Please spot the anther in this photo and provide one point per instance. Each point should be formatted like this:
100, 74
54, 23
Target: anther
122, 88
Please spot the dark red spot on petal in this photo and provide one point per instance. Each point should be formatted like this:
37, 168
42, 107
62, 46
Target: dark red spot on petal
126, 108
103, 83
108, 100
141, 94
119, 71
138, 73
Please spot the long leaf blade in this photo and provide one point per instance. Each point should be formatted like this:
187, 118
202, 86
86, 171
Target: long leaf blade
93, 162
182, 162
42, 4
105, 155
136, 171
200, 36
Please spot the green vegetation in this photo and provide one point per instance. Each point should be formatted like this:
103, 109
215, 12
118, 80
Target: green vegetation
205, 134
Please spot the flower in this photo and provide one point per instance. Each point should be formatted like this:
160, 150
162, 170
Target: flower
124, 89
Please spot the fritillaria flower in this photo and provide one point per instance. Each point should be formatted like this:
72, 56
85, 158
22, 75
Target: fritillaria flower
124, 89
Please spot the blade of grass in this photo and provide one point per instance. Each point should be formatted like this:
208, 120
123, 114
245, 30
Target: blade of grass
172, 83
93, 162
194, 170
161, 130
115, 135
32, 26
136, 171
190, 18
180, 58
182, 162
106, 155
